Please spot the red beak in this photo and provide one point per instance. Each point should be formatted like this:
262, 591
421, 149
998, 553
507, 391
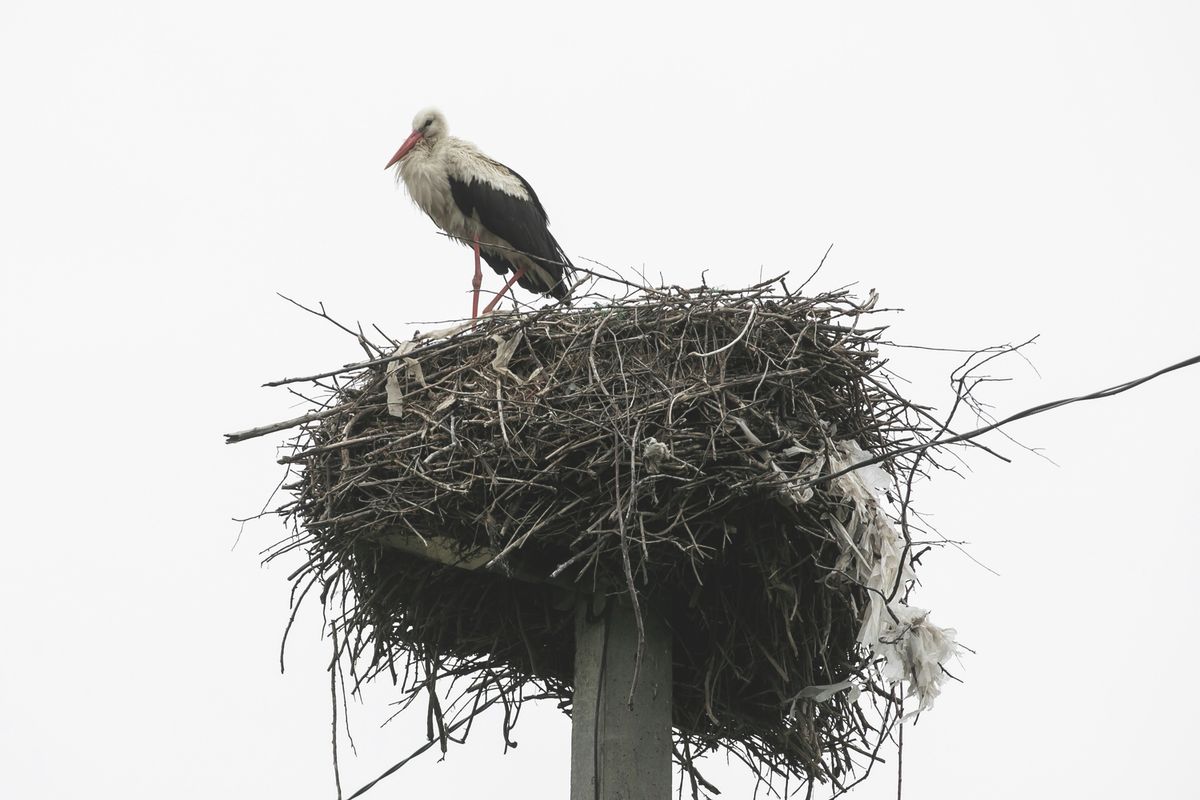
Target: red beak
409, 143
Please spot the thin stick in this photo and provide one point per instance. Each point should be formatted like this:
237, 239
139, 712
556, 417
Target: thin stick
263, 430
736, 339
390, 770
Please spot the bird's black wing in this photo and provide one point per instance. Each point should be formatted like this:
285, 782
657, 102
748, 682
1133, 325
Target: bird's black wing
521, 222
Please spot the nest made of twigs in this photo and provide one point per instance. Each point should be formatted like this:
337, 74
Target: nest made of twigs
671, 448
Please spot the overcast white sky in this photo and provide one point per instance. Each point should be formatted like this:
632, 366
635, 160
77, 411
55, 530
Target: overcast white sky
998, 170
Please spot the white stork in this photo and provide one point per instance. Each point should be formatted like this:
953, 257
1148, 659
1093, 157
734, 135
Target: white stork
481, 201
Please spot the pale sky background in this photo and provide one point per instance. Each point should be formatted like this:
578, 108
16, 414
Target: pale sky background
997, 170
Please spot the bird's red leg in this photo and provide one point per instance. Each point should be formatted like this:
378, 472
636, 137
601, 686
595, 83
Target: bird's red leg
516, 276
476, 282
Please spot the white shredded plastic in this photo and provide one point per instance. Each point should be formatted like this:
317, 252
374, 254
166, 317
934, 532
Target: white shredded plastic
824, 692
395, 389
505, 348
654, 453
399, 366
913, 648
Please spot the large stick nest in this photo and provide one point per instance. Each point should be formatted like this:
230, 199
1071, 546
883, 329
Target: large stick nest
456, 495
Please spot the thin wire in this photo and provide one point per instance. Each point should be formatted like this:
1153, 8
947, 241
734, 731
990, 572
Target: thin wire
1029, 412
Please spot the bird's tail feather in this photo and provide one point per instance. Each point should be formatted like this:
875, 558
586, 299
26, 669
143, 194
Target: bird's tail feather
551, 276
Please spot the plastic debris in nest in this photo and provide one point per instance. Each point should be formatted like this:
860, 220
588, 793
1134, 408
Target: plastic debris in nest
874, 555
672, 449
913, 648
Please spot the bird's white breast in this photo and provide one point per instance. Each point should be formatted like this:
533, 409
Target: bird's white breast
426, 172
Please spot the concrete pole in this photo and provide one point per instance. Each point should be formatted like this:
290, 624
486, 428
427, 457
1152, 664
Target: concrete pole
620, 751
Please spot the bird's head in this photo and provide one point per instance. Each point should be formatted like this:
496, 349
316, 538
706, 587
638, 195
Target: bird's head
428, 126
